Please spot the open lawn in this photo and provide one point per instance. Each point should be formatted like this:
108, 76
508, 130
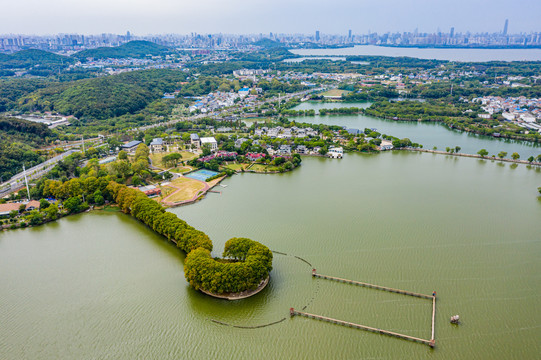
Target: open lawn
157, 158
236, 167
335, 92
262, 168
166, 190
182, 169
183, 189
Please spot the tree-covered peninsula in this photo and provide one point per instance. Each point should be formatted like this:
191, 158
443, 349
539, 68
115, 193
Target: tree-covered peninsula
247, 262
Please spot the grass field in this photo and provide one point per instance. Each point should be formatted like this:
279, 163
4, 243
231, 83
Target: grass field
335, 92
187, 189
262, 168
236, 167
166, 191
157, 158
182, 169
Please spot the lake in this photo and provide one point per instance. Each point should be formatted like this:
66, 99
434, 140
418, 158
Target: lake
429, 134
466, 55
301, 59
102, 285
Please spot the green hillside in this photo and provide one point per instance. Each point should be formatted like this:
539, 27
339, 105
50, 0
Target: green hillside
104, 97
18, 139
133, 49
37, 62
13, 89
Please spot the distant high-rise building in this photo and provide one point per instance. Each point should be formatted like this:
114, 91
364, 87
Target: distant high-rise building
505, 26
452, 32
317, 35
349, 34
128, 35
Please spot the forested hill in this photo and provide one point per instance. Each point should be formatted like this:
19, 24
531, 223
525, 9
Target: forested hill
29, 132
31, 58
132, 49
17, 141
36, 62
13, 89
104, 97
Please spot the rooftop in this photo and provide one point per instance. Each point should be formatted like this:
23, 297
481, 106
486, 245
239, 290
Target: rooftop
131, 144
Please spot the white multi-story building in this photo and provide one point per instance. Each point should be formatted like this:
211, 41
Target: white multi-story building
211, 141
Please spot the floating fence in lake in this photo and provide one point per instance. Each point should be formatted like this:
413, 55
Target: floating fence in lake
247, 327
431, 342
293, 312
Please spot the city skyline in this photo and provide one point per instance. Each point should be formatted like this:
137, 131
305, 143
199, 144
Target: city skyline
32, 17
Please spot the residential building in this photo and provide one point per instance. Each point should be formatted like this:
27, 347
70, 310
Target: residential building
156, 145
195, 141
131, 146
5, 209
211, 141
335, 152
239, 142
386, 145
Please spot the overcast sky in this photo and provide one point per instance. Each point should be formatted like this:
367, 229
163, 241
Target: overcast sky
143, 17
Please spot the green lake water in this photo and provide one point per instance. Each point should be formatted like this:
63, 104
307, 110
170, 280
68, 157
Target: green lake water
103, 286
428, 134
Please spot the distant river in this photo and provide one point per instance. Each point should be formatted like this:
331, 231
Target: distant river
474, 55
429, 134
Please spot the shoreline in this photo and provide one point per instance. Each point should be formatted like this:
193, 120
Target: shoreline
241, 295
439, 152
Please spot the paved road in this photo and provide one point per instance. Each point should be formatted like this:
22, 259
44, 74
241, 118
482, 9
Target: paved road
17, 181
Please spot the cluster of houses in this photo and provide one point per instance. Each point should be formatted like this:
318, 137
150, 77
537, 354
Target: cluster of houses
198, 142
156, 145
512, 108
218, 100
220, 154
232, 155
520, 110
280, 132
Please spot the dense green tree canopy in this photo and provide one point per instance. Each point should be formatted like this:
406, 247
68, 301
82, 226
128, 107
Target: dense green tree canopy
249, 261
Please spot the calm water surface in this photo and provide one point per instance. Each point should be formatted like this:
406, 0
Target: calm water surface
426, 133
473, 55
301, 59
103, 286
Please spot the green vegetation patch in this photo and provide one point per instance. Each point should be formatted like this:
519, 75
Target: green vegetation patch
252, 260
132, 49
106, 97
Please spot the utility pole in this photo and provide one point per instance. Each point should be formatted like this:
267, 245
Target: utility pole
26, 181
451, 89
83, 140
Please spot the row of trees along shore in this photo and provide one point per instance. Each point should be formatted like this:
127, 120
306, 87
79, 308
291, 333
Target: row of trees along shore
246, 262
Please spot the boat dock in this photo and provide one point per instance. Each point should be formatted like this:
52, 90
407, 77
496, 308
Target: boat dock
431, 342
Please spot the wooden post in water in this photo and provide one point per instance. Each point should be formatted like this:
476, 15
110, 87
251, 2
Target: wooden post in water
432, 340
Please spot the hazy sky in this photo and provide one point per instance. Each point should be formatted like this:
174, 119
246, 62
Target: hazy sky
263, 16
